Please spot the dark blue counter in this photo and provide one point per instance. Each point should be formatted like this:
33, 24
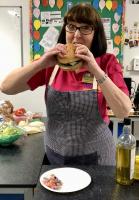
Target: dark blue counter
20, 165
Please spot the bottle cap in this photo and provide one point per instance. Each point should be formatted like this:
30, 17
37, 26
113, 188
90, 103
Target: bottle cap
127, 121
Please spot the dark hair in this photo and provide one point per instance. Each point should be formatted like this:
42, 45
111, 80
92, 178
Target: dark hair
85, 13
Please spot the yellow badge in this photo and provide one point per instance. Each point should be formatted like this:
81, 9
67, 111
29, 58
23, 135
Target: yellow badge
87, 78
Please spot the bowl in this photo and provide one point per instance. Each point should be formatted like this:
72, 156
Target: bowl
9, 134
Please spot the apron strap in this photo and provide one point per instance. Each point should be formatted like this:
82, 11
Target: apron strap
54, 72
94, 84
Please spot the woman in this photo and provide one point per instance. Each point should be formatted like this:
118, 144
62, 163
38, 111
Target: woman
77, 129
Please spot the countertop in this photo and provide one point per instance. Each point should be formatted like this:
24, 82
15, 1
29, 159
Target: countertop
131, 114
102, 187
20, 163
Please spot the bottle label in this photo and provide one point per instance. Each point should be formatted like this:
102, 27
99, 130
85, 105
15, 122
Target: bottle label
132, 163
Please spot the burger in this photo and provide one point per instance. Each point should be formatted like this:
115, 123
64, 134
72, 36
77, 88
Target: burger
69, 62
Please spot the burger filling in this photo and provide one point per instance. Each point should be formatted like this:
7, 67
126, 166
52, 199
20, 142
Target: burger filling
70, 64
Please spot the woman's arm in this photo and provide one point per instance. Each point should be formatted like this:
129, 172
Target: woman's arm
116, 99
16, 81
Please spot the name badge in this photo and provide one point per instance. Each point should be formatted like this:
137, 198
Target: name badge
87, 78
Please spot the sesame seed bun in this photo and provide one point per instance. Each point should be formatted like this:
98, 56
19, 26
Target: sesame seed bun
69, 62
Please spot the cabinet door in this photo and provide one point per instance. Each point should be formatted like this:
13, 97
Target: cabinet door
11, 196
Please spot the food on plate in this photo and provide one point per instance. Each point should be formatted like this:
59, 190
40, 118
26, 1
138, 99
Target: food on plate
52, 182
69, 62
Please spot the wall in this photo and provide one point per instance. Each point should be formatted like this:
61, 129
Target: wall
10, 39
131, 16
32, 101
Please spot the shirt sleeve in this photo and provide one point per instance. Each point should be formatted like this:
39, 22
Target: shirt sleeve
41, 78
113, 68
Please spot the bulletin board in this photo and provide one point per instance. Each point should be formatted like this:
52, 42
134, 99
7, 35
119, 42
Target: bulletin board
113, 18
47, 16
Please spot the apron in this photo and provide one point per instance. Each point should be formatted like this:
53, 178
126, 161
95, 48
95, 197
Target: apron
75, 131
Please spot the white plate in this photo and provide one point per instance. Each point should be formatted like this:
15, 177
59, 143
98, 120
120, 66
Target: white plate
73, 179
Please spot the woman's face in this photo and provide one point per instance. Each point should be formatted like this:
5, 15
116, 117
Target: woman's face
80, 33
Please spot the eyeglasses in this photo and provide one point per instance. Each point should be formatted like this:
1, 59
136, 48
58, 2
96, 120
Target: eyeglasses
85, 30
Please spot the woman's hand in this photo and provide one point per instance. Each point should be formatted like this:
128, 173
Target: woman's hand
49, 58
85, 54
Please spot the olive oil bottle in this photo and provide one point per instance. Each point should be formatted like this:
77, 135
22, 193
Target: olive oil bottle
125, 155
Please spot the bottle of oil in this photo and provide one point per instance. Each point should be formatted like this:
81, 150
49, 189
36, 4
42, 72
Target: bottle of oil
136, 171
125, 155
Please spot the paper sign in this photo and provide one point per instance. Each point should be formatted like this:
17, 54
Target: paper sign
50, 38
109, 46
107, 27
52, 18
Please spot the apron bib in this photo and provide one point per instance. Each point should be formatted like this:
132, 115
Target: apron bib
75, 129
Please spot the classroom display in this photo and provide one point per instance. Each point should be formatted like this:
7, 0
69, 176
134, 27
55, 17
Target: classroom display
46, 18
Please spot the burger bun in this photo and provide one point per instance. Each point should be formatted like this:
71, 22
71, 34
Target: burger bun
69, 62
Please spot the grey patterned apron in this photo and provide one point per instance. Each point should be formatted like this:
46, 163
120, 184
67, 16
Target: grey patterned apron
75, 128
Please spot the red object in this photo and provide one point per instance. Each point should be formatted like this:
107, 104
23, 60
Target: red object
20, 112
52, 182
45, 3
114, 5
36, 35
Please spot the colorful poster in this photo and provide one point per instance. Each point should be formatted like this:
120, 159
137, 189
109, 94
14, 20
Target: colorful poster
50, 13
